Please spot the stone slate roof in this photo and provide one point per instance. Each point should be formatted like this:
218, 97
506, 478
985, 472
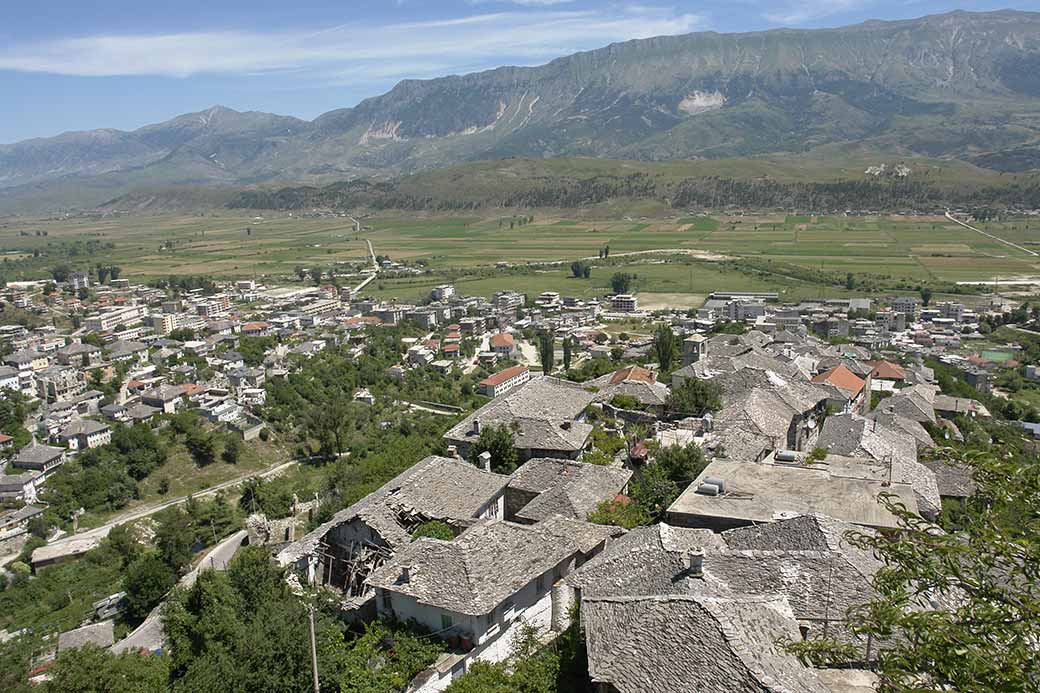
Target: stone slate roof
646, 560
759, 407
682, 643
566, 488
916, 402
850, 435
954, 478
902, 423
77, 348
125, 348
438, 488
83, 427
542, 411
100, 634
37, 454
478, 570
632, 381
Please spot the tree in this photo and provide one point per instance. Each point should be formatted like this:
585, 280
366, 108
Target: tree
268, 497
102, 274
115, 271
960, 610
850, 281
621, 282
61, 273
316, 274
498, 440
233, 447
435, 529
567, 354
92, 669
174, 537
681, 464
546, 352
578, 268
146, 582
620, 513
926, 295
695, 397
202, 447
654, 491
665, 347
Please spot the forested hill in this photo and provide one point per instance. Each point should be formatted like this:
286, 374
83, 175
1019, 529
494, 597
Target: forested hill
711, 192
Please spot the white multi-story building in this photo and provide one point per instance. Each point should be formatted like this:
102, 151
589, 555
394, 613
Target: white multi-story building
504, 381
110, 319
907, 305
442, 292
624, 303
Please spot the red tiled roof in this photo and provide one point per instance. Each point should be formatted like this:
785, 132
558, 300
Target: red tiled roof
255, 326
363, 320
502, 376
632, 373
4, 438
502, 339
192, 389
841, 378
451, 347
886, 370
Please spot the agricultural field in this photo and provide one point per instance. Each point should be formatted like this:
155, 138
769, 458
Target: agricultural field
224, 244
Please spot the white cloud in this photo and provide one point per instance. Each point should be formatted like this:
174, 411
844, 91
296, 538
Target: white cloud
803, 11
357, 52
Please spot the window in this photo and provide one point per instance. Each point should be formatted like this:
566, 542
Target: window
446, 621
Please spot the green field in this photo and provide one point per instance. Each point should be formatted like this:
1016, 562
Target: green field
219, 245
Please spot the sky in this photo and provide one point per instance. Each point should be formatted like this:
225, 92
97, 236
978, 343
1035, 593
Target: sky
74, 65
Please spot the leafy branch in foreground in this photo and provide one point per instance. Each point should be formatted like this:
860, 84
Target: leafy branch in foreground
960, 610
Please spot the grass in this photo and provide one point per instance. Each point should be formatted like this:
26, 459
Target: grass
226, 245
186, 478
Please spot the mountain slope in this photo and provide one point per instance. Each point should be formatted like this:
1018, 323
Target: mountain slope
962, 85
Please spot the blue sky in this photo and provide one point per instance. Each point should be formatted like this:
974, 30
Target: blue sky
75, 65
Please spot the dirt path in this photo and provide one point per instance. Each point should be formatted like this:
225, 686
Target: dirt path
990, 235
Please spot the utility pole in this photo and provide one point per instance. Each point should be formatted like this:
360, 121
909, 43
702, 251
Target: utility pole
314, 647
314, 650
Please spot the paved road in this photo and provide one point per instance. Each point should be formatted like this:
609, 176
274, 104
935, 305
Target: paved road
103, 530
990, 235
149, 635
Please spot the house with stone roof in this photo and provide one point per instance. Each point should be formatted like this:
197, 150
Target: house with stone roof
635, 382
543, 487
486, 586
39, 458
343, 551
854, 436
646, 604
546, 416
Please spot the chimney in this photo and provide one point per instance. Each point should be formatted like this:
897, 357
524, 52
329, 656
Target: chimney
453, 452
476, 427
484, 461
406, 574
694, 562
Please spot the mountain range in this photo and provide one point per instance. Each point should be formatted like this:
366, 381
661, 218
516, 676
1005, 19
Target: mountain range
959, 85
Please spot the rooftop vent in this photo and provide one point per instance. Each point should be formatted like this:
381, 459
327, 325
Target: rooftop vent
708, 489
716, 481
694, 562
